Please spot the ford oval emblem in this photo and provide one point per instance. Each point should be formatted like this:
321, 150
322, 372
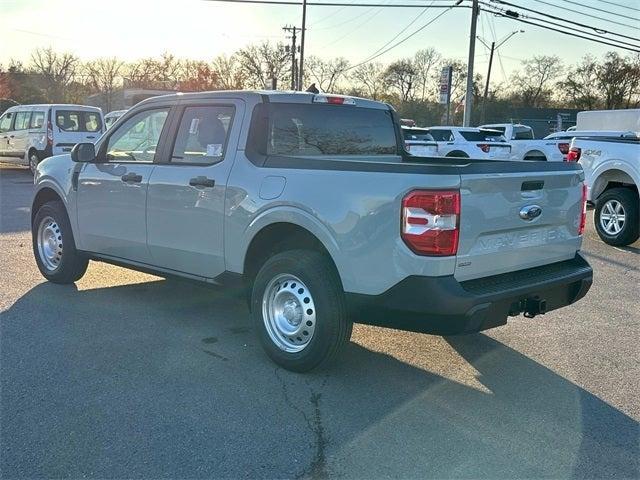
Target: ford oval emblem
530, 212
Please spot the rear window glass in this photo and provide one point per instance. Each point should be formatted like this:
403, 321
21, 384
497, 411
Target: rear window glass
302, 129
483, 136
522, 133
422, 135
78, 121
442, 135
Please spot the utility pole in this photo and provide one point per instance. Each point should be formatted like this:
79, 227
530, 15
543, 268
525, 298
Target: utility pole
492, 49
304, 29
294, 70
486, 85
468, 96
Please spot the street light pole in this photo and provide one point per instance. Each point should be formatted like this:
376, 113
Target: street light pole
468, 96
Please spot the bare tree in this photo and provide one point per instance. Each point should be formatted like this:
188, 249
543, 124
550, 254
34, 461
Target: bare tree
424, 61
57, 69
262, 63
326, 73
104, 76
619, 80
370, 76
227, 68
534, 85
580, 87
401, 76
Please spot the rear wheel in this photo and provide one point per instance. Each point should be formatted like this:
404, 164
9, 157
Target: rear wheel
54, 247
616, 217
299, 311
457, 154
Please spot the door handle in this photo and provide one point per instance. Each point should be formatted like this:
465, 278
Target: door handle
91, 136
11, 136
202, 182
131, 178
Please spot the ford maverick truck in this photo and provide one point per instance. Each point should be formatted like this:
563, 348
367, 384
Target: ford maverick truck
312, 203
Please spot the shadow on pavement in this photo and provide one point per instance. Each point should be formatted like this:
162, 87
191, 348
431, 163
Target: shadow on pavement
165, 379
16, 188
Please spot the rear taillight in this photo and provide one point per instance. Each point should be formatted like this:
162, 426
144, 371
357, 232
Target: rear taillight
573, 155
564, 148
583, 212
49, 133
485, 147
431, 221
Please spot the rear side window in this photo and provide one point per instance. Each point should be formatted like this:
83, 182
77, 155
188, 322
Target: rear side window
202, 136
37, 120
417, 135
303, 129
22, 120
442, 135
522, 133
78, 121
483, 136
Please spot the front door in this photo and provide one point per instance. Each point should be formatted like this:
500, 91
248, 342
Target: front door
6, 124
185, 204
19, 138
112, 194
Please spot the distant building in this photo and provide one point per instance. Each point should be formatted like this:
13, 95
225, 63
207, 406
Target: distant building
123, 98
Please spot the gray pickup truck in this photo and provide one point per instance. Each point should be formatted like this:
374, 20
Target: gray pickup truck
313, 205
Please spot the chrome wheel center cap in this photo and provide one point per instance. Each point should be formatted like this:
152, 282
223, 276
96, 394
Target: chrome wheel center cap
292, 312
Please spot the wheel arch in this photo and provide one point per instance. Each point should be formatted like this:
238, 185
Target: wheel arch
44, 195
534, 154
612, 178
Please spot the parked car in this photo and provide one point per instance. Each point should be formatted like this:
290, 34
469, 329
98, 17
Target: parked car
311, 203
111, 117
564, 138
524, 145
31, 133
612, 174
469, 142
418, 141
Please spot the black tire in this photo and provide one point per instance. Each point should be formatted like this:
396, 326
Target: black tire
457, 154
535, 157
333, 326
630, 231
72, 264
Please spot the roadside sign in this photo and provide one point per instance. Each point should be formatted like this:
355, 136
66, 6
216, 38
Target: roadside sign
445, 84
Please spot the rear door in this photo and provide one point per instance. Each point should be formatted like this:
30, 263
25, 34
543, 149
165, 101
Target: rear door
74, 125
185, 204
112, 195
516, 220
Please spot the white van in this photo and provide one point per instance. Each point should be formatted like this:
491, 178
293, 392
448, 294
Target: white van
111, 117
31, 133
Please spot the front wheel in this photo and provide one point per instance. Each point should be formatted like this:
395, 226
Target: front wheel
34, 160
299, 310
616, 217
54, 247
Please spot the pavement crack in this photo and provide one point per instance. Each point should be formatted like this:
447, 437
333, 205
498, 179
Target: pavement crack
215, 355
318, 466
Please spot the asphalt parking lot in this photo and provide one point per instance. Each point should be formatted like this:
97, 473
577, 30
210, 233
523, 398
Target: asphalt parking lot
131, 375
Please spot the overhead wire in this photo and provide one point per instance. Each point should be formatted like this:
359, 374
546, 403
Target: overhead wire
608, 12
619, 5
587, 14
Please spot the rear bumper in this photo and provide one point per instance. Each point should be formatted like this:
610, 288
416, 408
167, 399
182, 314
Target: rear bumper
444, 306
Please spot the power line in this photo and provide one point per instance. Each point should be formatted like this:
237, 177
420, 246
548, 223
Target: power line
621, 15
335, 4
573, 22
619, 5
373, 57
375, 12
586, 14
565, 32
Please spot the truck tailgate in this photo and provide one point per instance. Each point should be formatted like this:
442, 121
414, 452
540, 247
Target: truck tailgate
517, 220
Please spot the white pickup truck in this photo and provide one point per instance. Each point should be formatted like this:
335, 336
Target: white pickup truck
524, 145
612, 174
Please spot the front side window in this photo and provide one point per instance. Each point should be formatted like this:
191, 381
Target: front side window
202, 136
136, 140
22, 120
37, 120
302, 129
78, 121
5, 122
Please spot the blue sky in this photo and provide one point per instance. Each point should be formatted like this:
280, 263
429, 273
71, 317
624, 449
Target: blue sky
201, 29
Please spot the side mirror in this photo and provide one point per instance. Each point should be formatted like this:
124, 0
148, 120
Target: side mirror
83, 152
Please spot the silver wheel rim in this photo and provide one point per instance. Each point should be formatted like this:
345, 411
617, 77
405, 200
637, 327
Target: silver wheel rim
289, 313
33, 162
49, 242
612, 217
